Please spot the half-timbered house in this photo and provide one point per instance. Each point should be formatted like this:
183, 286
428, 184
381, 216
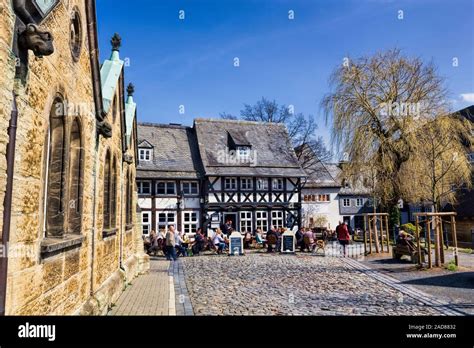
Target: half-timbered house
252, 176
215, 171
168, 178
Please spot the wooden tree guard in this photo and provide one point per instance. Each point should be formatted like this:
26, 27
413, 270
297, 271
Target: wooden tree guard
435, 220
370, 221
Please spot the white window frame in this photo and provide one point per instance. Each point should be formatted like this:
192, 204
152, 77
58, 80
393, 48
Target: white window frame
246, 224
140, 187
164, 224
344, 200
359, 202
243, 152
146, 224
190, 225
191, 184
261, 219
167, 183
230, 184
278, 218
277, 184
145, 155
262, 184
248, 184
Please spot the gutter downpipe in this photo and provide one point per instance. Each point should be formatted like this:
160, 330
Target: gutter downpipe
122, 230
7, 203
94, 213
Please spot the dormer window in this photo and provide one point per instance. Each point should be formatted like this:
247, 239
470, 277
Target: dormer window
145, 155
243, 152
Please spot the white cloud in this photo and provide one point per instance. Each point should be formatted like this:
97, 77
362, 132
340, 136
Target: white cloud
467, 97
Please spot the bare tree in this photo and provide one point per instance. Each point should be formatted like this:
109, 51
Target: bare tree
302, 130
376, 104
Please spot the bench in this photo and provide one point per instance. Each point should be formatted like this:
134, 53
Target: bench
410, 250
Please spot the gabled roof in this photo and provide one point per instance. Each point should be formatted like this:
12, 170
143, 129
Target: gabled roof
175, 151
143, 144
323, 175
272, 152
467, 113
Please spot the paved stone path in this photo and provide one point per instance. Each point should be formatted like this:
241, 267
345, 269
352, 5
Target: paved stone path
455, 288
149, 294
262, 284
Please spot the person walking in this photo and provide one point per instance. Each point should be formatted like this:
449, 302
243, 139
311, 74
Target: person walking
170, 244
343, 236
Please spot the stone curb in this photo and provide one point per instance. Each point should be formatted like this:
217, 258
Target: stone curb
183, 303
429, 300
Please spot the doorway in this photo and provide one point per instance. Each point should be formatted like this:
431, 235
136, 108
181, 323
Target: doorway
232, 217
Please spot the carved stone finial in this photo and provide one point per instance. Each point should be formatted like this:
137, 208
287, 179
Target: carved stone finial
130, 89
116, 42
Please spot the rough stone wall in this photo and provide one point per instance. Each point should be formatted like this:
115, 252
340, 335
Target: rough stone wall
107, 249
80, 280
58, 284
7, 72
135, 260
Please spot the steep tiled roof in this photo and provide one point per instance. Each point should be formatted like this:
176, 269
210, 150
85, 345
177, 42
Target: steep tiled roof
269, 142
175, 153
323, 175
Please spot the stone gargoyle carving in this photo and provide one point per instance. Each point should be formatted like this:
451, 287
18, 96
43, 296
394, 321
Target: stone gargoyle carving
37, 40
105, 129
127, 158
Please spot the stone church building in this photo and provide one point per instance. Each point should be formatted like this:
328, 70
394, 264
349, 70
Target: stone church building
68, 154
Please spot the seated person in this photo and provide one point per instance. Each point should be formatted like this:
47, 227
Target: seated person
299, 238
219, 241
199, 242
153, 246
181, 250
308, 238
259, 237
247, 240
272, 239
407, 239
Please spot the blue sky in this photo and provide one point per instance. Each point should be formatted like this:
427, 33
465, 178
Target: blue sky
190, 62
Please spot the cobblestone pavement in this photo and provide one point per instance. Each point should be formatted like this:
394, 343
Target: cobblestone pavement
264, 284
149, 294
455, 288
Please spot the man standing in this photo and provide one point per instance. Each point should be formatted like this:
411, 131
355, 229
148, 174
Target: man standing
227, 228
343, 236
170, 243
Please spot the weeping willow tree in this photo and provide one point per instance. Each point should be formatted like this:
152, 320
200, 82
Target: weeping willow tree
375, 105
439, 167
